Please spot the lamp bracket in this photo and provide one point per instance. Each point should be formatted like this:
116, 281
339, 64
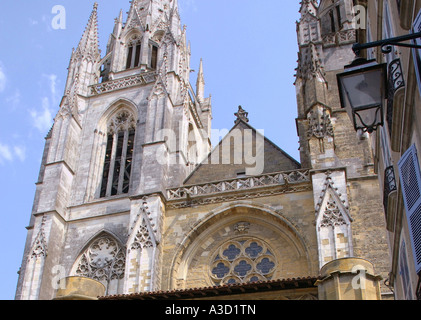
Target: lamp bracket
387, 44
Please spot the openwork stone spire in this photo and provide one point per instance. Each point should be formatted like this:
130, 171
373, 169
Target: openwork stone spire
88, 47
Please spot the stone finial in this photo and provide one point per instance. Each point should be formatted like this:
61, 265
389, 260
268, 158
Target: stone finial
241, 115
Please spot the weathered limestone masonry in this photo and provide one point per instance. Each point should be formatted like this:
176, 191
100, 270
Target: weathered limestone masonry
102, 151
344, 182
124, 207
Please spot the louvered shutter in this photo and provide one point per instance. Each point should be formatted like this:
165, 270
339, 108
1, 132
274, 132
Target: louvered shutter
410, 179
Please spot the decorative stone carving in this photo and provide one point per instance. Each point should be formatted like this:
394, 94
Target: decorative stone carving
134, 40
309, 62
333, 223
143, 232
241, 115
123, 121
134, 20
242, 227
39, 247
241, 196
104, 260
330, 185
123, 83
320, 125
283, 178
142, 239
332, 216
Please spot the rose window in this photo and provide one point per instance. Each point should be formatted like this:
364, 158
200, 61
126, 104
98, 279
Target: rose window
242, 261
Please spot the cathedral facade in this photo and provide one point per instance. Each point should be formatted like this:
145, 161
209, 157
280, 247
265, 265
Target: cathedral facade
132, 196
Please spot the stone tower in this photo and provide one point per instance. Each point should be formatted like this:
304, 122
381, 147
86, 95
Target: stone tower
112, 140
131, 195
345, 190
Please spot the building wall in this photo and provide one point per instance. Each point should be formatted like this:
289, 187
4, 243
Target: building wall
194, 234
391, 142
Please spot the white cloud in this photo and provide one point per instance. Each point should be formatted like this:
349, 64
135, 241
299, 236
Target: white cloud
52, 78
5, 153
188, 5
10, 153
20, 152
3, 79
14, 99
43, 119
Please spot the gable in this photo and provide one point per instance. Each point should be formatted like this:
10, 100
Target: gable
236, 156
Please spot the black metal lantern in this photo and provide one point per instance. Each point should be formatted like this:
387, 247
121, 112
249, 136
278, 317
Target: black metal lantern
363, 90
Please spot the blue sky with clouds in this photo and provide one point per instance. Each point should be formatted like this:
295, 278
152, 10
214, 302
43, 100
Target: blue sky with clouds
249, 50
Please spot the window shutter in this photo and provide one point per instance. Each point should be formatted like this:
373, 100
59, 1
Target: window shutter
410, 179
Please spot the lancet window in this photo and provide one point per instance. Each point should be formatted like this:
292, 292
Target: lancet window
118, 155
332, 20
153, 60
133, 52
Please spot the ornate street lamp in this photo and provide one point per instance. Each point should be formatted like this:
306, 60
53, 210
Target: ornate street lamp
363, 90
363, 84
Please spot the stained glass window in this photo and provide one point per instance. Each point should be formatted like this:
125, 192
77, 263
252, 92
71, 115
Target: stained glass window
232, 252
242, 261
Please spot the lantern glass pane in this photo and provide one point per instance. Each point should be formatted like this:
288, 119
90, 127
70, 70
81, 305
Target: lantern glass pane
363, 89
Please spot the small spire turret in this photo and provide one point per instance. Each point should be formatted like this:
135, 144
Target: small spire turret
200, 84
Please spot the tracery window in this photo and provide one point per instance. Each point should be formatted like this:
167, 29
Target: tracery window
118, 155
104, 260
243, 261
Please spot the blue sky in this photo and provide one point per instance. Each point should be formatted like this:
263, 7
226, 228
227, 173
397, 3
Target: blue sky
249, 49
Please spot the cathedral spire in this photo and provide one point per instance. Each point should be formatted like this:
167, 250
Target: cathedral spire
83, 70
89, 44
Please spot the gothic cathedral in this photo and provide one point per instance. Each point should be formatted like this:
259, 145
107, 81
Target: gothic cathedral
132, 199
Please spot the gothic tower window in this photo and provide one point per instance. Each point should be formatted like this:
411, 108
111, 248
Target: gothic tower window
133, 52
332, 20
153, 61
118, 155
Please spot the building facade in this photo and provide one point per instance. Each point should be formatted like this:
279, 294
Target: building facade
132, 195
396, 145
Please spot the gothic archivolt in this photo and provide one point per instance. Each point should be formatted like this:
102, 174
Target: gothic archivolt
239, 245
118, 107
